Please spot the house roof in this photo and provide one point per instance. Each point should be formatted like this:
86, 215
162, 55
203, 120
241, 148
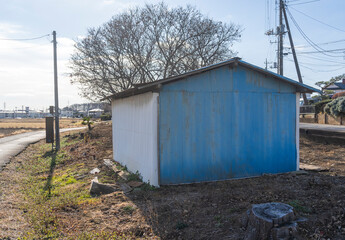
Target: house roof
96, 110
155, 85
339, 85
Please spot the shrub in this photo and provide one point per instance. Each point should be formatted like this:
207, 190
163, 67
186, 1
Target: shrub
336, 108
340, 94
105, 117
87, 121
319, 106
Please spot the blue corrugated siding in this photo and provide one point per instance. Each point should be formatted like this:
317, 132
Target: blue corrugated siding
226, 124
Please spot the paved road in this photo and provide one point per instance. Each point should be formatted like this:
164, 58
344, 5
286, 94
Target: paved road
323, 127
13, 145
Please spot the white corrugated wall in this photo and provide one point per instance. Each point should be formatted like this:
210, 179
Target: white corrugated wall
135, 134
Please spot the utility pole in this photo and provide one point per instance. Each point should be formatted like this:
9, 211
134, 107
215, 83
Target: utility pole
266, 64
294, 54
56, 94
280, 32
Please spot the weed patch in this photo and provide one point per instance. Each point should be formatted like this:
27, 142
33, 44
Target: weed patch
299, 207
128, 209
50, 187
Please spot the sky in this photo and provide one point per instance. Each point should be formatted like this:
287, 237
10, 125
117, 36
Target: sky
26, 67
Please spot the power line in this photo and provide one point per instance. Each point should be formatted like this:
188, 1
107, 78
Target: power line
331, 50
17, 48
314, 45
324, 43
326, 24
23, 39
322, 59
304, 2
317, 70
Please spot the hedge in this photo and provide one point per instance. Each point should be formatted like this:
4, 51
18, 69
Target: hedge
336, 108
319, 106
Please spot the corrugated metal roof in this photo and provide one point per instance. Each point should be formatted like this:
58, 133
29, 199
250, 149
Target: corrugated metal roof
155, 85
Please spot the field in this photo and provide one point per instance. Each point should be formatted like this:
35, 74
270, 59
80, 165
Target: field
45, 196
15, 126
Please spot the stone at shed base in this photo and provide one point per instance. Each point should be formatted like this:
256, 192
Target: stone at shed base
270, 221
97, 188
95, 171
125, 187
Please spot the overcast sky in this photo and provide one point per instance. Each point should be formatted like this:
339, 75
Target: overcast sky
26, 67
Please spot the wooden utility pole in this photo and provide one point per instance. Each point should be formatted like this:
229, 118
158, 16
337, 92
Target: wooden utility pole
280, 39
56, 94
266, 64
294, 53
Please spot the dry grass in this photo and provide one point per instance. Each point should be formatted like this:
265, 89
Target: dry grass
50, 198
38, 123
15, 126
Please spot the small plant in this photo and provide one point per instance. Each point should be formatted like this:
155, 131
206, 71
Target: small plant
87, 121
105, 117
219, 220
134, 177
181, 225
128, 209
147, 187
299, 207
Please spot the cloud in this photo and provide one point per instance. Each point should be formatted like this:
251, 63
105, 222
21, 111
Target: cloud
108, 2
8, 28
19, 94
26, 71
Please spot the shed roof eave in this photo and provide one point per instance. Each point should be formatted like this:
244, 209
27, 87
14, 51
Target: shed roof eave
156, 85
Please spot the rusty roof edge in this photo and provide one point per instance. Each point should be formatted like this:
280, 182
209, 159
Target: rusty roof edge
141, 88
155, 85
191, 73
289, 80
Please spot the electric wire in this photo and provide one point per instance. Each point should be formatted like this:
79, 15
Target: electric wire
17, 48
321, 59
303, 64
314, 45
24, 39
304, 2
324, 43
326, 24
332, 50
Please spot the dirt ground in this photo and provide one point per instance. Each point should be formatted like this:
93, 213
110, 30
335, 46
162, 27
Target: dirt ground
194, 211
14, 126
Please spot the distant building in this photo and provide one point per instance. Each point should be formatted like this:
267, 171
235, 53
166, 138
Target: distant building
22, 114
337, 86
96, 113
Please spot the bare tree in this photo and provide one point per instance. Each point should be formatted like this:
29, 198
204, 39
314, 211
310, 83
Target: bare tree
147, 44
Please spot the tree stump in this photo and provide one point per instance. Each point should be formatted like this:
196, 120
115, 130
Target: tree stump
270, 221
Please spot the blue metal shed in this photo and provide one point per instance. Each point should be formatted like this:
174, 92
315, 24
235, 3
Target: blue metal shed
228, 120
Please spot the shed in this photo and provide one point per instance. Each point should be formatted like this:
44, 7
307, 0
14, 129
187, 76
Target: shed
224, 121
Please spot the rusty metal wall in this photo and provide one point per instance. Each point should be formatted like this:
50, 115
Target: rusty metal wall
226, 123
